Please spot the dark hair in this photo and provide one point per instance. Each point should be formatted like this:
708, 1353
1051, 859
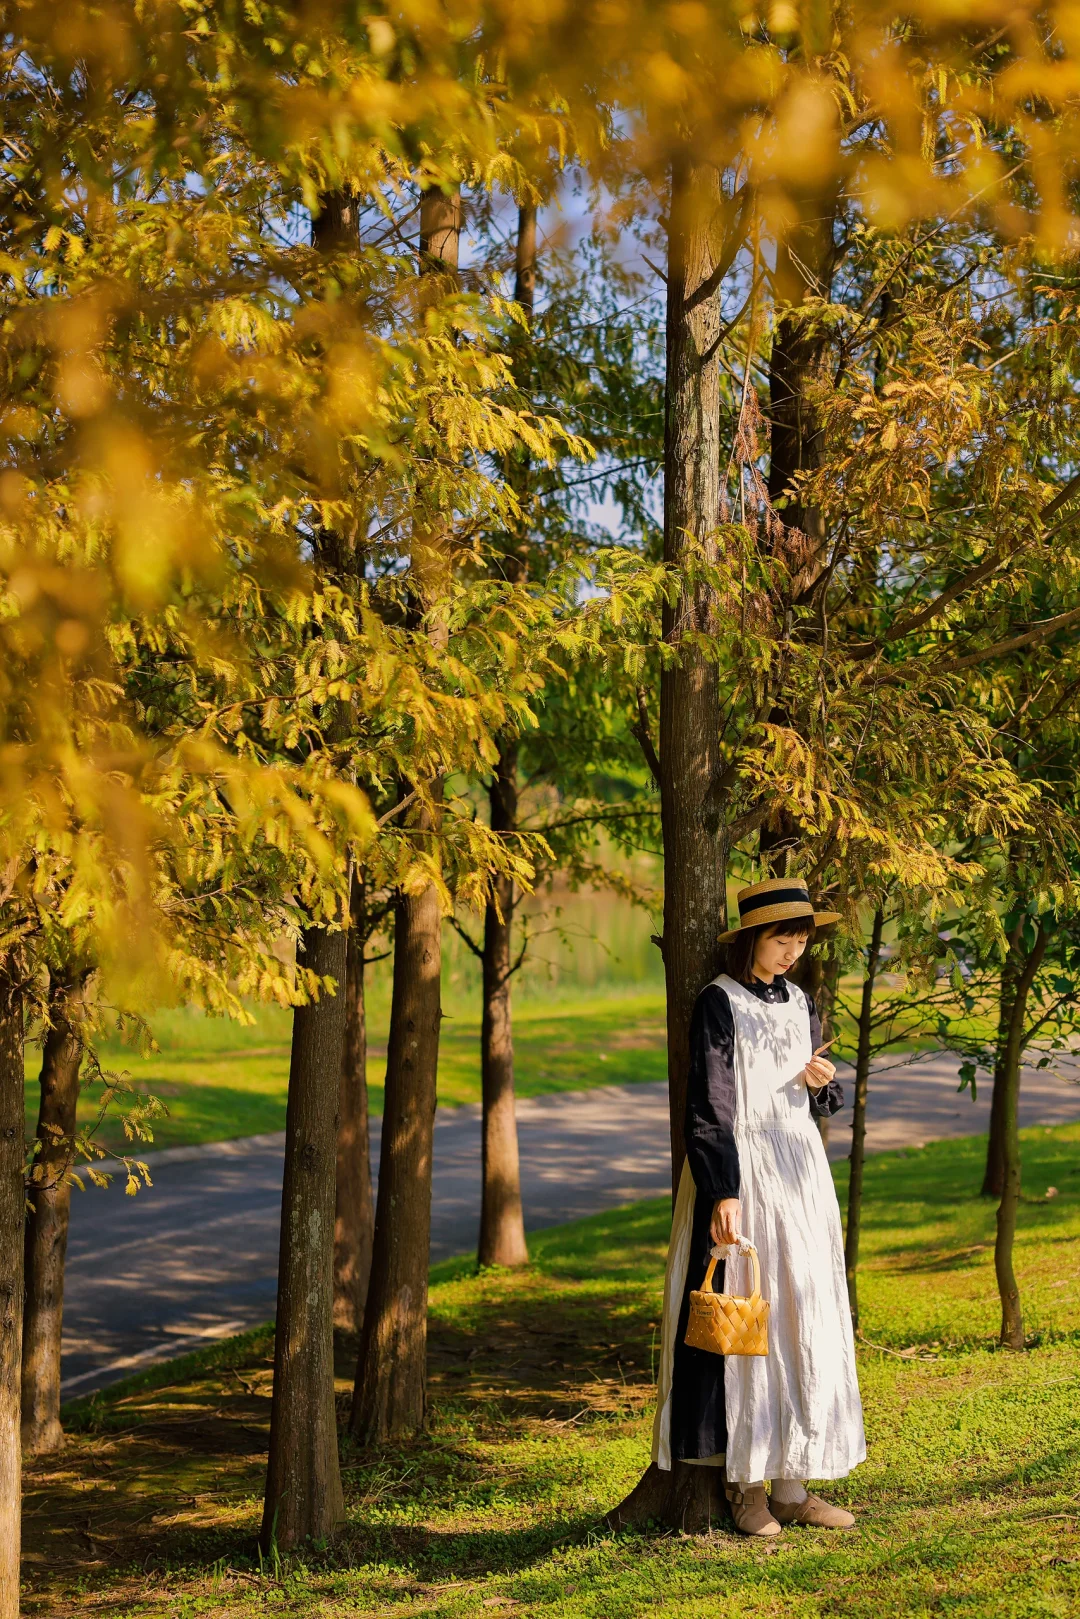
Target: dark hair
739, 958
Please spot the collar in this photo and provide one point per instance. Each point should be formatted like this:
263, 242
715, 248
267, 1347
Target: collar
777, 990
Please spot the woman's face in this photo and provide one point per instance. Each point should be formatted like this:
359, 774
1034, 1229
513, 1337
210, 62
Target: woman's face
773, 954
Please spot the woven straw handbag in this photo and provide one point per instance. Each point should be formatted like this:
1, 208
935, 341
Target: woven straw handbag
725, 1324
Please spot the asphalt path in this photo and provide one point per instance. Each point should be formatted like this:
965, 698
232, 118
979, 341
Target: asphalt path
194, 1256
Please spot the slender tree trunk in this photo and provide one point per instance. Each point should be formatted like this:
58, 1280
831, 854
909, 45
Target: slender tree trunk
828, 980
858, 1120
1012, 1320
335, 231
390, 1393
994, 1175
354, 1207
391, 1382
695, 895
304, 1499
805, 263
809, 974
502, 1225
49, 1199
12, 1166
798, 370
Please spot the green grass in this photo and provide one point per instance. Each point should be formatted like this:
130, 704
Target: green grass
541, 1387
219, 1079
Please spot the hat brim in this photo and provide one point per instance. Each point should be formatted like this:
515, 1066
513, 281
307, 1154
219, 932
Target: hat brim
820, 919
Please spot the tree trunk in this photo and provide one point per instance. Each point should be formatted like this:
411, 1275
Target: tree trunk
390, 1392
335, 225
689, 1499
335, 229
303, 1481
12, 1196
391, 1373
502, 1225
994, 1175
49, 1199
354, 1207
809, 973
1012, 1320
695, 896
858, 1121
695, 856
805, 263
830, 981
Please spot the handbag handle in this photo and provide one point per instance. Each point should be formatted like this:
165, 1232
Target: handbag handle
747, 1247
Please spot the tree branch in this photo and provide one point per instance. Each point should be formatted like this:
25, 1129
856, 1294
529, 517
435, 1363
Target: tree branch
1041, 632
589, 820
641, 731
402, 803
747, 823
974, 576
738, 235
1062, 1000
1061, 499
725, 331
463, 933
520, 956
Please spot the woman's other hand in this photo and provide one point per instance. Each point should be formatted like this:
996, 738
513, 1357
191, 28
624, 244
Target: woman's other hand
726, 1221
818, 1072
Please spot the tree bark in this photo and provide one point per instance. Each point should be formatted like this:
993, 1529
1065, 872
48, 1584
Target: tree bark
695, 897
49, 1199
809, 973
390, 1392
805, 263
1012, 1319
994, 1175
391, 1375
691, 800
689, 1500
12, 1195
502, 1224
335, 225
335, 229
354, 1207
858, 1120
304, 1499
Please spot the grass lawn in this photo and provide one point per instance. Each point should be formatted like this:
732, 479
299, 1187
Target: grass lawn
541, 1387
220, 1079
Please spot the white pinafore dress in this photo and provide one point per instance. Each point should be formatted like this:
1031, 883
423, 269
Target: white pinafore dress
796, 1412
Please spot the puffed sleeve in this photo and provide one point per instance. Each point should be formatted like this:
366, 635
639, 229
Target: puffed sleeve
830, 1098
710, 1097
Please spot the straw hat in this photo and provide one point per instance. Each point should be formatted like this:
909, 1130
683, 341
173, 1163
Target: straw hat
780, 899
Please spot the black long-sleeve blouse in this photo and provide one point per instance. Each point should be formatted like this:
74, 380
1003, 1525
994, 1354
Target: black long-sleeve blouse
710, 1099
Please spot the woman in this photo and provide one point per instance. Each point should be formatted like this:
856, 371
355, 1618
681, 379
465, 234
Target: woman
756, 1168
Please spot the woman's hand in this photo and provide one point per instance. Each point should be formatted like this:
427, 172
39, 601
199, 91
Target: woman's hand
818, 1072
726, 1221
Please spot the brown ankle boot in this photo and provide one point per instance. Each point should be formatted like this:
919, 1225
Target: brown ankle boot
750, 1509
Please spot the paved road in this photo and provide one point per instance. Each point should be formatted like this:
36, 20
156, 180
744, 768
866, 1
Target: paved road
195, 1256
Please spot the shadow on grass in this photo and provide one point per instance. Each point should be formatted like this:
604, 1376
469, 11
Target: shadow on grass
459, 1554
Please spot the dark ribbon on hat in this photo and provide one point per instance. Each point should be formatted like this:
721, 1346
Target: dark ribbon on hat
772, 896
